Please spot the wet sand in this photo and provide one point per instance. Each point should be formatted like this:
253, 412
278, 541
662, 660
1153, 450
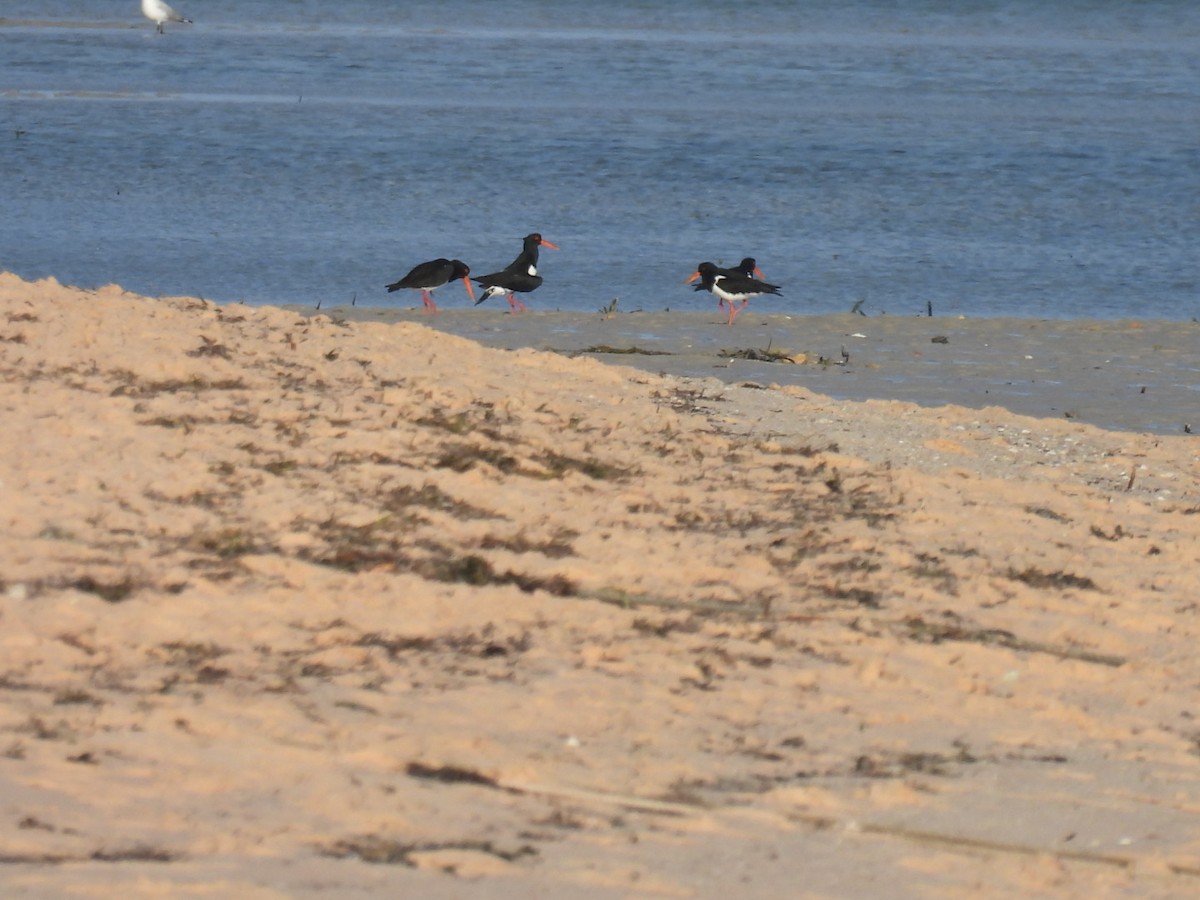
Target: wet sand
64, 23
295, 606
1127, 375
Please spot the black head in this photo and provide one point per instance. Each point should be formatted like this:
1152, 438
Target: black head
536, 240
708, 276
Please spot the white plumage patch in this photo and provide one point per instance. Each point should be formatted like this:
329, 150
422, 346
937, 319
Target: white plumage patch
725, 295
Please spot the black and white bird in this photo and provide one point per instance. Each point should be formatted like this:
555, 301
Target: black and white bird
748, 267
159, 13
732, 287
519, 277
427, 277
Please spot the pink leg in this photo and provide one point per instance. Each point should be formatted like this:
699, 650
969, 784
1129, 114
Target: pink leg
517, 305
427, 299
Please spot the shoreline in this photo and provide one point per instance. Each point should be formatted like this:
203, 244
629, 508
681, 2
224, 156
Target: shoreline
1123, 375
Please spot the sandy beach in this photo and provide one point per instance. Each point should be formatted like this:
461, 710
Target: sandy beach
300, 604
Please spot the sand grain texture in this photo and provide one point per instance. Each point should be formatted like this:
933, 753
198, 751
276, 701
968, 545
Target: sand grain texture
294, 607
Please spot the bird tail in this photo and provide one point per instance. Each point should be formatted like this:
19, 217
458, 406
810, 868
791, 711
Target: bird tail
489, 292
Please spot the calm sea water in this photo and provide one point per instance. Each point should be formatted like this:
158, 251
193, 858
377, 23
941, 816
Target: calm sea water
1027, 158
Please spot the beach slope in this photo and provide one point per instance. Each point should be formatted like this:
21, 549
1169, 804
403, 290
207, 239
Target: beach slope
295, 606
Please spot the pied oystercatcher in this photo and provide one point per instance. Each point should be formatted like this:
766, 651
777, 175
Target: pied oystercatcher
748, 267
731, 286
519, 277
427, 277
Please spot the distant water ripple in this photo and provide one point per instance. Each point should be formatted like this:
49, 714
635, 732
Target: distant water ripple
1019, 159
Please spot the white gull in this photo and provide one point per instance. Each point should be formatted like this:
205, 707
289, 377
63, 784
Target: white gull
159, 13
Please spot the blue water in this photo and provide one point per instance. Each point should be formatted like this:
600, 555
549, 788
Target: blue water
1021, 158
